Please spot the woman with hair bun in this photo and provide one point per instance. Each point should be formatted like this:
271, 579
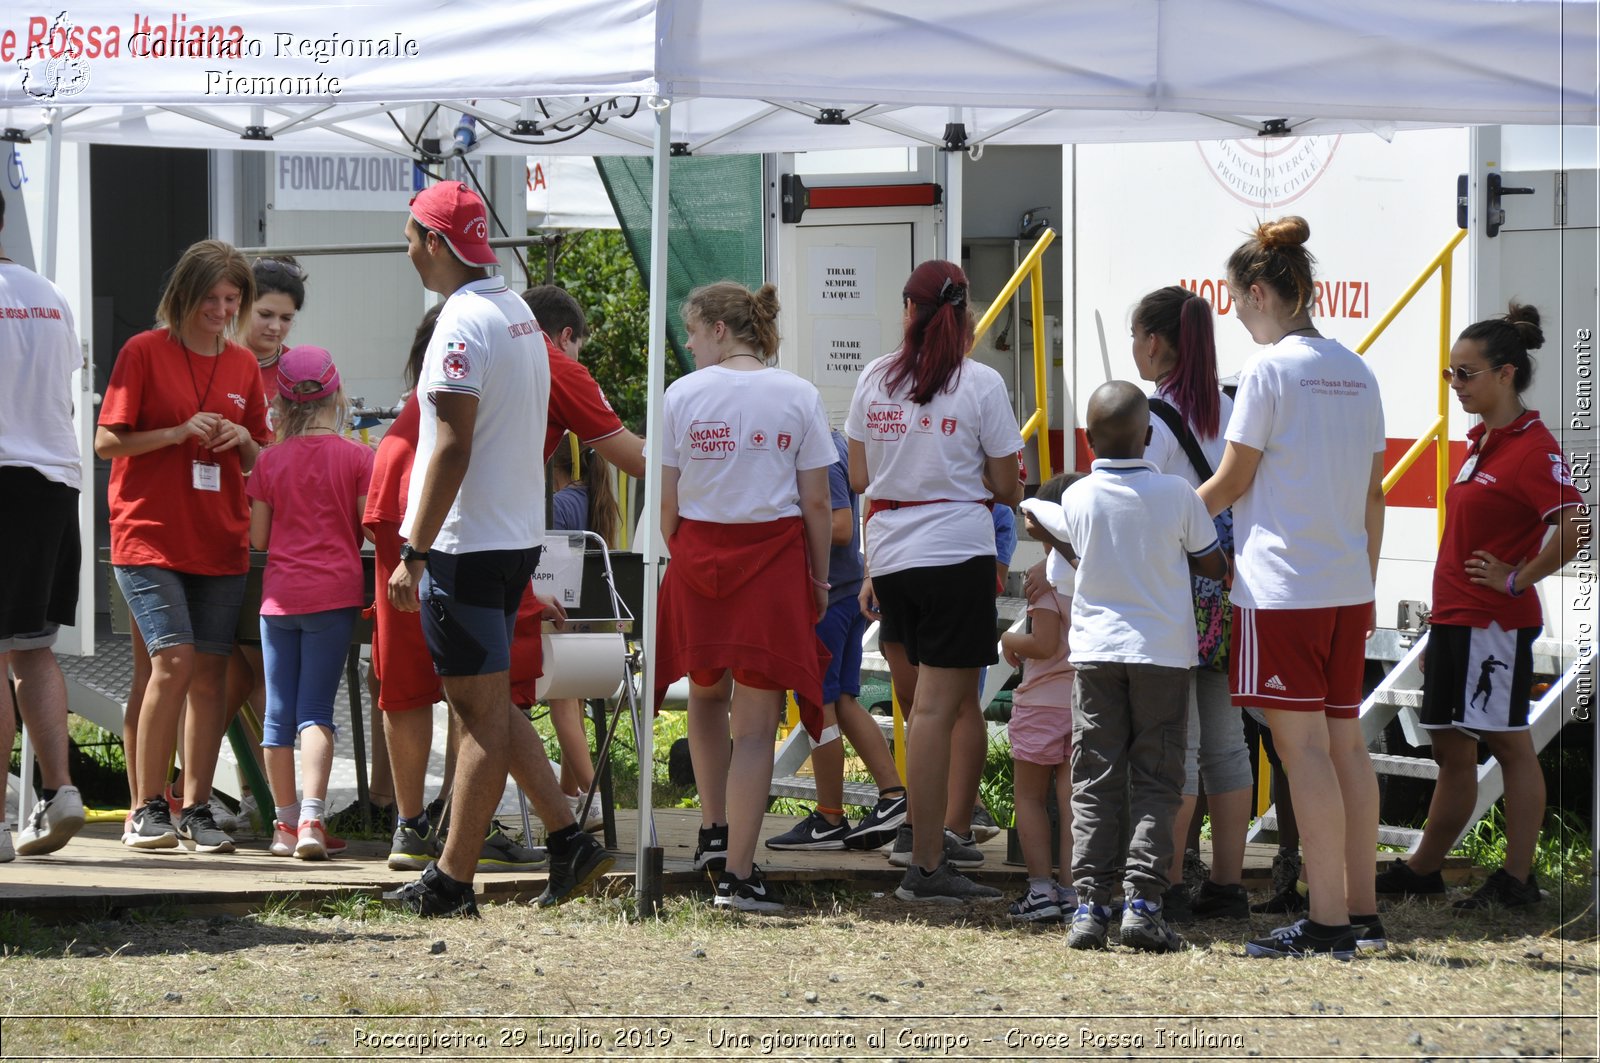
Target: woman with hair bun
746, 512
1174, 348
1514, 484
1303, 470
934, 441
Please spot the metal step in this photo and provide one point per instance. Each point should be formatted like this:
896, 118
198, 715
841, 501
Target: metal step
1404, 767
1267, 824
1400, 699
804, 788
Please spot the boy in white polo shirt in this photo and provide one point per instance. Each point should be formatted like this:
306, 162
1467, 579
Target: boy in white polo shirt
1135, 535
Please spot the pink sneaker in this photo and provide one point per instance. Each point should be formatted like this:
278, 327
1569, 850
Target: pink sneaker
334, 844
283, 839
312, 843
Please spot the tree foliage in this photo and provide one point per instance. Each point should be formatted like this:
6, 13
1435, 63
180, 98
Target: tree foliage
597, 269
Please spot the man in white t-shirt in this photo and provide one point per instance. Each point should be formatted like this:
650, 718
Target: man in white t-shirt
474, 522
40, 472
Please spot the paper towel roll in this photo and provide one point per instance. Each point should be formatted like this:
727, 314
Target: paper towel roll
582, 665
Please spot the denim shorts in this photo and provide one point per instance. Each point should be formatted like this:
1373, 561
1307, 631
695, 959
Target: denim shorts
180, 609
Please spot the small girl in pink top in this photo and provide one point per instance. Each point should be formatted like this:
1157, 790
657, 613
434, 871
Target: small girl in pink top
307, 494
1041, 738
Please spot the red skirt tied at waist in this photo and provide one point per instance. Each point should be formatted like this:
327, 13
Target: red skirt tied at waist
739, 596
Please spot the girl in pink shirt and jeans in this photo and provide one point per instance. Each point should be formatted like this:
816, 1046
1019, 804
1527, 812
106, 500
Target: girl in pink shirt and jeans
307, 495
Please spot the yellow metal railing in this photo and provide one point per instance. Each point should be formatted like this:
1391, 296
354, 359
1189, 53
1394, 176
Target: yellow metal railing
1438, 434
1037, 426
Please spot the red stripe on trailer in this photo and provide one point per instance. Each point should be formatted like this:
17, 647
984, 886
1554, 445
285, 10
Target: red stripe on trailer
918, 195
1414, 491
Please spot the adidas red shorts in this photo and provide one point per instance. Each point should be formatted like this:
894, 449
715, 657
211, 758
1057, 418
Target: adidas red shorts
1306, 660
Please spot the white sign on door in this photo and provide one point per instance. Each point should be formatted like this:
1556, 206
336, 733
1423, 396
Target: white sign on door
843, 346
842, 280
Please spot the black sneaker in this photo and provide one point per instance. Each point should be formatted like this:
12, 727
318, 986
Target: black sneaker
880, 825
1305, 938
150, 827
945, 886
1370, 935
711, 849
1215, 901
1398, 878
198, 831
813, 832
1502, 890
1144, 928
962, 852
501, 853
584, 861
433, 896
1035, 907
1284, 902
746, 894
983, 826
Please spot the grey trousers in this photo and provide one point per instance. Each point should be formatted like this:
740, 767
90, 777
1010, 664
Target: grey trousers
1128, 724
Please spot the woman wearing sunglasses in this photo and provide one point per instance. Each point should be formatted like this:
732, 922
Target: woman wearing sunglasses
1514, 484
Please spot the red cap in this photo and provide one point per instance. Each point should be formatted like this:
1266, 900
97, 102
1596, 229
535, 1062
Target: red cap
455, 212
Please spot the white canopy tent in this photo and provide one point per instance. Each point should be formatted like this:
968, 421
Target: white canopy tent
784, 75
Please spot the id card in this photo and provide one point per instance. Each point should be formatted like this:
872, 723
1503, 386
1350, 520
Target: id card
1467, 468
207, 476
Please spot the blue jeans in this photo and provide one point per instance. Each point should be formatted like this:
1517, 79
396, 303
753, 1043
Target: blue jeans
303, 656
180, 609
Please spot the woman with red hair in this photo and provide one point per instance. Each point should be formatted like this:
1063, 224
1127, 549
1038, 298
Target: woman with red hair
933, 440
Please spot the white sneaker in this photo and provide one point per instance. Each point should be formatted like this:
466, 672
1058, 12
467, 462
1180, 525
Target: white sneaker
52, 823
596, 819
7, 853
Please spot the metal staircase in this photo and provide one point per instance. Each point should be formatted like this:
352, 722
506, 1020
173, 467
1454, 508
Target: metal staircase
1399, 695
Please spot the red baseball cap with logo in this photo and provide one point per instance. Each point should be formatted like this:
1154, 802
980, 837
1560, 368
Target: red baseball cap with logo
455, 212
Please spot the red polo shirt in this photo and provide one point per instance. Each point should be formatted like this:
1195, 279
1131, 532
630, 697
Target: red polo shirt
1510, 489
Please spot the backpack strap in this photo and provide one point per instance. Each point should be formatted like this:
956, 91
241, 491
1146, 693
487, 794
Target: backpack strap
1191, 446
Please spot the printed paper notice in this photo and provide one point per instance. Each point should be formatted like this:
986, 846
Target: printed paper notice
842, 280
843, 346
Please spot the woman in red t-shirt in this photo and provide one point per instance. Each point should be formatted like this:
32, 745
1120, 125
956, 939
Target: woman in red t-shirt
1514, 484
182, 422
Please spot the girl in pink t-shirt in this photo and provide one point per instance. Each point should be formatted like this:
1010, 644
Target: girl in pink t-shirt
307, 496
1041, 741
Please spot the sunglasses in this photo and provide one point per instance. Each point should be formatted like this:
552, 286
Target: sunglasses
1461, 376
272, 265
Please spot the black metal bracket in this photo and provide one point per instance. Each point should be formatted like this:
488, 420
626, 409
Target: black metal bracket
955, 136
255, 132
13, 135
680, 149
526, 127
1275, 127
832, 116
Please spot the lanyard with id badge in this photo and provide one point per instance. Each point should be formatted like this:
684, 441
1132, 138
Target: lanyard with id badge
204, 475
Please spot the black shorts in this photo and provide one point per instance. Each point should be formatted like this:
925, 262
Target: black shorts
469, 608
39, 542
1477, 678
944, 615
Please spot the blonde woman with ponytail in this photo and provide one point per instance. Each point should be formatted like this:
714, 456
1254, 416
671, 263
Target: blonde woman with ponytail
746, 512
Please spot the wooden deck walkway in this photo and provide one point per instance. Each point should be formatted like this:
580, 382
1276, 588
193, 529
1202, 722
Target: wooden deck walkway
95, 876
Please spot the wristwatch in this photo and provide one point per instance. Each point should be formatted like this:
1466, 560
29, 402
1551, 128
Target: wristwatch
408, 553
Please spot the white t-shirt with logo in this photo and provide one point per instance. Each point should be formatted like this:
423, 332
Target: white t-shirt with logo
1167, 454
38, 352
1134, 529
935, 451
737, 438
1313, 410
487, 345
